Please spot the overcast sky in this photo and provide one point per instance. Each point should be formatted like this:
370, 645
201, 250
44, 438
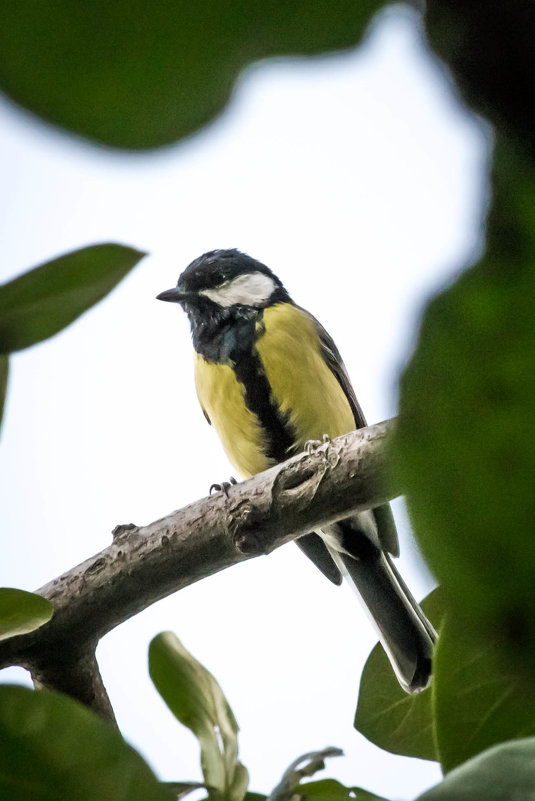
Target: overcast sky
360, 181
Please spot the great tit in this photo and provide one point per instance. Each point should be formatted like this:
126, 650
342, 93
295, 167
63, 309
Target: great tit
269, 379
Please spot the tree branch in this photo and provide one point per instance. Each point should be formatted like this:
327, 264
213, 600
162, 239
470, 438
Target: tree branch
76, 675
145, 564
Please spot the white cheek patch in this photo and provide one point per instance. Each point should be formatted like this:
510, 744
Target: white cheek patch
251, 289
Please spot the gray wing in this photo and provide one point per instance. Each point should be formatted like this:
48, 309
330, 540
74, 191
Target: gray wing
383, 514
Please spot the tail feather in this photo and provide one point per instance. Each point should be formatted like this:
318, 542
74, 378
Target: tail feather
405, 633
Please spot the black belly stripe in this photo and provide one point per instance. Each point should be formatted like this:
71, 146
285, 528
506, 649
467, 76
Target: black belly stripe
229, 338
278, 431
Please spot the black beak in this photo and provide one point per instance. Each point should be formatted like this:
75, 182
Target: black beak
173, 295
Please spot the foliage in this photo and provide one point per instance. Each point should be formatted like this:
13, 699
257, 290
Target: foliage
466, 440
52, 749
145, 74
4, 373
506, 771
477, 701
196, 700
388, 716
22, 612
41, 302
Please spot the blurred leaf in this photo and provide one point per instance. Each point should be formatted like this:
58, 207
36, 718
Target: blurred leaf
21, 612
240, 781
305, 765
53, 749
140, 74
465, 436
365, 795
476, 702
4, 374
182, 789
332, 790
503, 773
387, 715
489, 48
196, 700
44, 300
250, 797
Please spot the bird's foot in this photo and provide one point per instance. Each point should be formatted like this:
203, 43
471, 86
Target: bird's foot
312, 445
224, 486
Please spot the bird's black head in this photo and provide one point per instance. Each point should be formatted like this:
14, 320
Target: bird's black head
225, 279
223, 292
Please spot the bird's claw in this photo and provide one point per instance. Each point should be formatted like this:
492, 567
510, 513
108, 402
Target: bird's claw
224, 486
312, 445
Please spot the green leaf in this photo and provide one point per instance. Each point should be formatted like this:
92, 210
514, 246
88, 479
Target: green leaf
477, 702
53, 749
465, 435
332, 790
146, 73
196, 700
488, 49
182, 789
503, 773
388, 716
365, 795
22, 612
4, 373
41, 302
250, 797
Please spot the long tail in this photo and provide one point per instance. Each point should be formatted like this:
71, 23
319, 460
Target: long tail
405, 633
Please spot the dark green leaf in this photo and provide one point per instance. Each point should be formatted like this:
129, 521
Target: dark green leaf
142, 74
488, 48
365, 795
53, 749
21, 612
4, 374
503, 773
182, 789
331, 790
466, 438
388, 716
477, 702
196, 699
41, 302
249, 797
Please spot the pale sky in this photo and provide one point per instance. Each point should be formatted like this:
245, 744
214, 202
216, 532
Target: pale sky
360, 181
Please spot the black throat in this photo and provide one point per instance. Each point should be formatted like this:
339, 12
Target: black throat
222, 334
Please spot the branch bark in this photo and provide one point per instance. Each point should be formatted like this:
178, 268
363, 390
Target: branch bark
145, 564
77, 675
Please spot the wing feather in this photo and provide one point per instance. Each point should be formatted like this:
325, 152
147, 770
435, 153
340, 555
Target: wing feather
386, 526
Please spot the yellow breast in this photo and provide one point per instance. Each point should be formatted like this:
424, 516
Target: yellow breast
223, 398
302, 386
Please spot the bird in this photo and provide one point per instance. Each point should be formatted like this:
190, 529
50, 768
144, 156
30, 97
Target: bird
270, 379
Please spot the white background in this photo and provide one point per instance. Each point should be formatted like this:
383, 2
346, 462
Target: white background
359, 180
